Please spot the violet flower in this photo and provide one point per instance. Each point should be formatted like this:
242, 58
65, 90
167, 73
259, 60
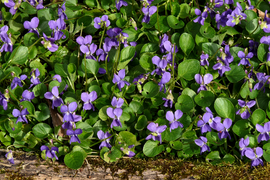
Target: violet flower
88, 99
221, 66
263, 79
254, 155
266, 40
244, 111
34, 78
148, 12
118, 103
166, 77
38, 4
49, 43
54, 96
201, 16
253, 46
120, 3
17, 81
156, 131
202, 143
170, 49
115, 114
204, 59
163, 40
61, 11
50, 153
222, 19
7, 46
208, 121
69, 112
13, 6
20, 115
228, 1
103, 53
86, 46
4, 99
244, 61
224, 128
243, 143
101, 135
264, 132
161, 65
27, 95
9, 157
57, 26
32, 25
127, 151
236, 16
74, 135
173, 117
206, 79
119, 79
265, 24
100, 22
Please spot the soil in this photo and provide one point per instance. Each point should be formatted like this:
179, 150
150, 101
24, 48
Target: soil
31, 167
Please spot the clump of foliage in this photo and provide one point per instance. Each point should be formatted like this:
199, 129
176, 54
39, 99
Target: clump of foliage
136, 78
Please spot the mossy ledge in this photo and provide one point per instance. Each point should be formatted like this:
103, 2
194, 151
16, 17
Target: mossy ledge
130, 167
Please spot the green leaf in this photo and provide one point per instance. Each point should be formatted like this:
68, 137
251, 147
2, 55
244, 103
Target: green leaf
121, 22
30, 107
44, 112
162, 24
236, 74
173, 134
204, 98
207, 31
151, 148
29, 39
61, 69
5, 139
252, 27
126, 56
213, 156
19, 55
85, 21
188, 68
136, 107
212, 138
193, 28
146, 62
74, 159
27, 8
42, 130
91, 66
262, 52
241, 128
141, 123
174, 22
127, 138
228, 158
266, 155
184, 10
9, 124
184, 103
258, 116
177, 145
102, 114
186, 43
150, 89
224, 108
149, 48
250, 15
210, 48
39, 90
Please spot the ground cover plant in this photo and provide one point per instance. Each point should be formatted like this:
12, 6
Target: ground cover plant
189, 79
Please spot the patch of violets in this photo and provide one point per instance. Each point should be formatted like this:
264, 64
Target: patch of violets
156, 131
245, 111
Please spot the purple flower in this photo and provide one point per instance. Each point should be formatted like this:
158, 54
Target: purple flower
4, 99
206, 79
27, 95
86, 46
101, 135
115, 114
249, 6
245, 110
161, 65
74, 135
173, 117
202, 143
103, 53
38, 4
255, 157
263, 79
170, 49
32, 25
13, 6
236, 16
168, 100
222, 19
9, 157
243, 143
34, 78
221, 67
166, 77
117, 36
218, 3
210, 119
120, 3
265, 24
146, 2
117, 102
224, 128
20, 115
50, 153
61, 11
88, 99
163, 40
18, 81
156, 131
7, 46
148, 12
266, 40
264, 132
100, 22
127, 151
228, 1
204, 59
119, 79
253, 46
57, 26
49, 43
244, 61
69, 112
57, 78
54, 96
201, 16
